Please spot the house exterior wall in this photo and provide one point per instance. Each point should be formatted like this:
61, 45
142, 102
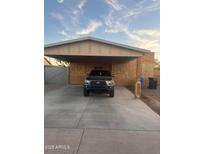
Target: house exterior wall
146, 67
157, 75
90, 48
79, 70
125, 72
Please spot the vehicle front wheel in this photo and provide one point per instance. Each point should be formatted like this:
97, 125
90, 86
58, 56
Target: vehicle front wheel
86, 93
112, 93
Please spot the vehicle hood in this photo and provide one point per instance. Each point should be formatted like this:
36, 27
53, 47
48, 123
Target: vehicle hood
107, 78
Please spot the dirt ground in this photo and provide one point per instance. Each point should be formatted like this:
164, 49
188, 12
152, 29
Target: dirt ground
152, 98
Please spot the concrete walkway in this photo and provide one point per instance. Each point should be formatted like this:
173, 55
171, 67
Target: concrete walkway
98, 124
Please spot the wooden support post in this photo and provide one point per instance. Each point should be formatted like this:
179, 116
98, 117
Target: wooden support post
138, 89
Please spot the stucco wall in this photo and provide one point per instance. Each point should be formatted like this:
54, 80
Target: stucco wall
125, 72
147, 66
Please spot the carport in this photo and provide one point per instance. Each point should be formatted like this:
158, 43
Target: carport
85, 54
98, 121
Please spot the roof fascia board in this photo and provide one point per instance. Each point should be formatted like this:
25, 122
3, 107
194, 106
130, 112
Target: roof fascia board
97, 40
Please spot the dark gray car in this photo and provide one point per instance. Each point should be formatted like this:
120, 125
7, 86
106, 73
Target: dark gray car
99, 80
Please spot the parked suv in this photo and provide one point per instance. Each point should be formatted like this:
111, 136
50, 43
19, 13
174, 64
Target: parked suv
99, 80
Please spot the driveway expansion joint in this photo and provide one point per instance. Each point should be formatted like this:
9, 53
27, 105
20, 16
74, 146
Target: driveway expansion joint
83, 112
80, 141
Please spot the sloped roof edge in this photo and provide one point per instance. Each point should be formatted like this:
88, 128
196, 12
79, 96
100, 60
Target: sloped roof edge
98, 40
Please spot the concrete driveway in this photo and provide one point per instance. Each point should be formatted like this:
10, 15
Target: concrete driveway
98, 124
66, 107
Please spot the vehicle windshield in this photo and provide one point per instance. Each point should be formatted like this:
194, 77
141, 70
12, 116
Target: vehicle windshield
100, 73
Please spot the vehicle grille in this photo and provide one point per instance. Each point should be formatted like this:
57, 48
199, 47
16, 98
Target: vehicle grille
98, 83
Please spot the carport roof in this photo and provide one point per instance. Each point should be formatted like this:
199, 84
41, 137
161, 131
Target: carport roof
97, 40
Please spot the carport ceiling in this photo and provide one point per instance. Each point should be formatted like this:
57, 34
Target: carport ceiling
91, 58
90, 47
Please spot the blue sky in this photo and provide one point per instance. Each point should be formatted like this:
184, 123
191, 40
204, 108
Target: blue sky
131, 22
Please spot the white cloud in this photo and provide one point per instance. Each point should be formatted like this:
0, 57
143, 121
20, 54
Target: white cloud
60, 1
57, 16
112, 30
114, 4
60, 18
77, 12
69, 16
81, 4
93, 25
121, 15
64, 33
149, 33
79, 7
145, 38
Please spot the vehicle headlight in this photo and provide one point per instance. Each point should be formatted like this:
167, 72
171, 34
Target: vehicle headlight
87, 82
110, 83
